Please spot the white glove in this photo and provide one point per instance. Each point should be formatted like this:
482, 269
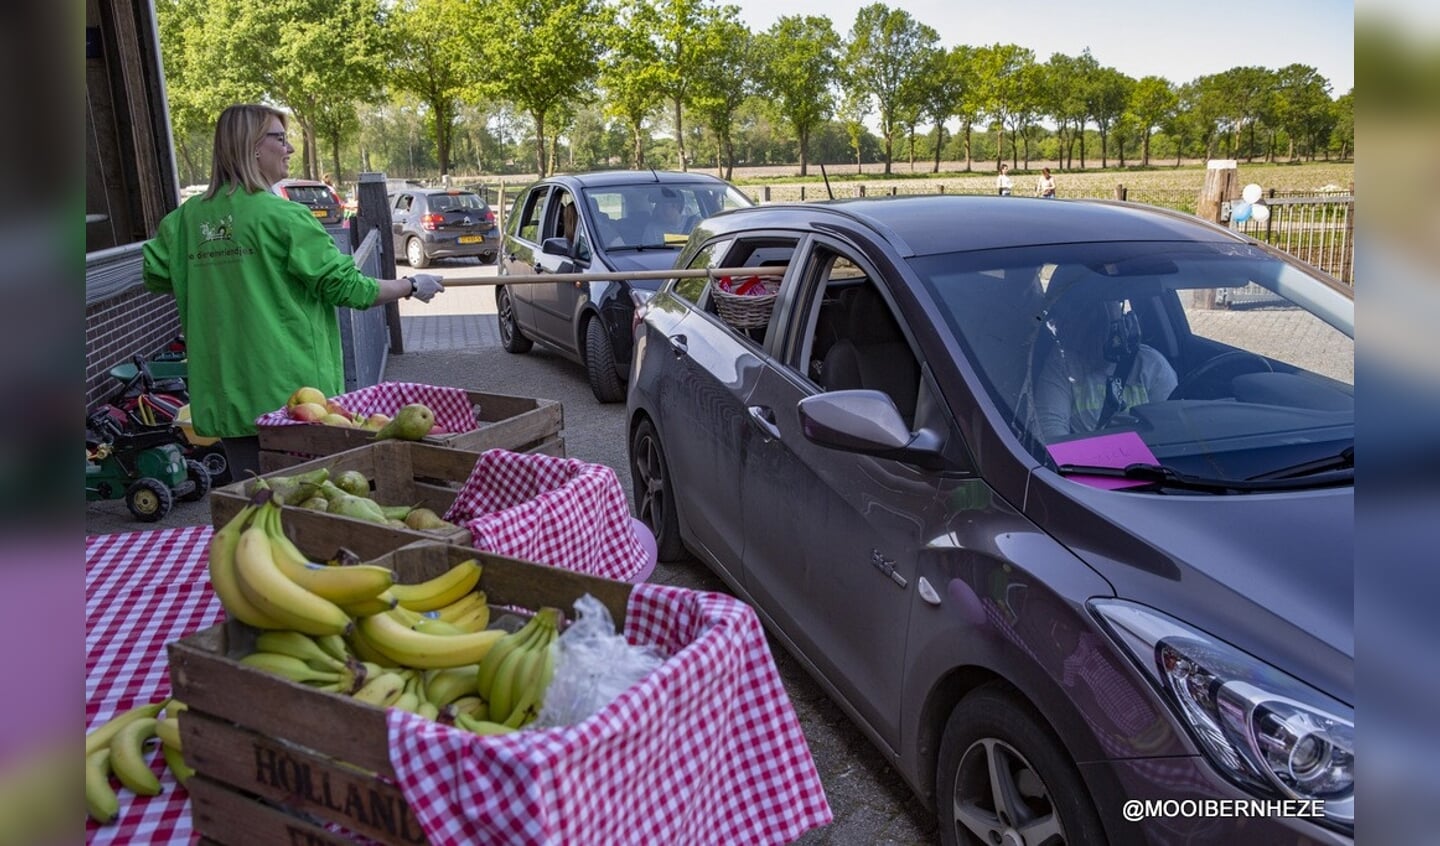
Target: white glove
425, 286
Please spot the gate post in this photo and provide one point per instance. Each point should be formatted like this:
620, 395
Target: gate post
1221, 187
374, 213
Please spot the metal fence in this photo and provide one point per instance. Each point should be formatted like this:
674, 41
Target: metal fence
1317, 229
364, 336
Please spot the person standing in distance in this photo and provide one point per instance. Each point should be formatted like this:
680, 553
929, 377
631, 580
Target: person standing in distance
1002, 182
256, 279
1045, 185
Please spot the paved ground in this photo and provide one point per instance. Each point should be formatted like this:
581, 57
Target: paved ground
453, 341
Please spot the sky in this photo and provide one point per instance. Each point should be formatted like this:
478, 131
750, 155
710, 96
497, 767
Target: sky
1179, 41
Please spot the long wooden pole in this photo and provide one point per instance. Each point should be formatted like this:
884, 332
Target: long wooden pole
619, 276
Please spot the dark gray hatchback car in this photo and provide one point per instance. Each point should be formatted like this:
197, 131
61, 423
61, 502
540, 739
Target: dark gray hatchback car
431, 223
1057, 531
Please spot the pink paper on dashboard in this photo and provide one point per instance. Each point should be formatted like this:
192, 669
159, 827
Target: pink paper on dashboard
1118, 450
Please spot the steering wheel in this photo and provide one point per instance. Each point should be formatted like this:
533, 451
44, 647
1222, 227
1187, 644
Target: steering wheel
1230, 363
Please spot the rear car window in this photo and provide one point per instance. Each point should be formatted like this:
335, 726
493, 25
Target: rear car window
310, 194
457, 201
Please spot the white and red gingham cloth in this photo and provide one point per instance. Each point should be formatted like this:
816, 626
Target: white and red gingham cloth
706, 749
454, 412
142, 590
558, 511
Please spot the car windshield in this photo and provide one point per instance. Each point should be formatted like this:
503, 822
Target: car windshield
1200, 362
652, 216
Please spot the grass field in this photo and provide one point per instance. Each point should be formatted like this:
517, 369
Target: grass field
1167, 186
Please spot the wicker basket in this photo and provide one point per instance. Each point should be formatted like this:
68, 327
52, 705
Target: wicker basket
746, 311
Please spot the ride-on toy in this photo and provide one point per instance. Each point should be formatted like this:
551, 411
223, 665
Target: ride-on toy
145, 467
154, 393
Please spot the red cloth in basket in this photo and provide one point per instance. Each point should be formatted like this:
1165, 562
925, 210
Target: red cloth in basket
706, 749
454, 412
558, 511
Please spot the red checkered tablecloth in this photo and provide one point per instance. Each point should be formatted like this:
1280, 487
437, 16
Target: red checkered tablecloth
454, 412
142, 590
707, 749
558, 511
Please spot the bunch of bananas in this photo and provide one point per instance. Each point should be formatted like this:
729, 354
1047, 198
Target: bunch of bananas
351, 629
118, 748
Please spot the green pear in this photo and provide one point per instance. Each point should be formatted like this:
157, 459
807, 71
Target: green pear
353, 482
357, 507
411, 423
424, 519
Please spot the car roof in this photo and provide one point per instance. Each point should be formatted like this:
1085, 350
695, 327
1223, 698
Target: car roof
288, 182
614, 178
926, 225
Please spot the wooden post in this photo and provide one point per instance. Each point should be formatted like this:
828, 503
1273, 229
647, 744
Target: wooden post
860, 189
1121, 192
1347, 259
802, 193
374, 213
764, 194
1222, 181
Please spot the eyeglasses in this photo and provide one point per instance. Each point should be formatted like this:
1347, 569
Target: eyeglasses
279, 136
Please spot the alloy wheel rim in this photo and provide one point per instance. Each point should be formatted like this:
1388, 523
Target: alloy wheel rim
506, 329
1000, 798
650, 500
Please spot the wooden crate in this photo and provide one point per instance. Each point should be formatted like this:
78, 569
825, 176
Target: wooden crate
275, 760
519, 424
400, 473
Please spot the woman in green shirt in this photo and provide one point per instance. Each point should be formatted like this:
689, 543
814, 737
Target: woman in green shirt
256, 279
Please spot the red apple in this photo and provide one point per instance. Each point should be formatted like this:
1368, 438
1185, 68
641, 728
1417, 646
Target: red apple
308, 411
304, 395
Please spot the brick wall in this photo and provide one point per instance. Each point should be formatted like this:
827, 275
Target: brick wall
117, 328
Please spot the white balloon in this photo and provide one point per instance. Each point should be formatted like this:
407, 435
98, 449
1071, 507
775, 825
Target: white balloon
1260, 212
1252, 193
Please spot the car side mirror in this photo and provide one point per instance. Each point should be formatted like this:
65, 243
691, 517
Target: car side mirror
867, 422
555, 247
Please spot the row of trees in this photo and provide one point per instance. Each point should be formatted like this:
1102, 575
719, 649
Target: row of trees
591, 81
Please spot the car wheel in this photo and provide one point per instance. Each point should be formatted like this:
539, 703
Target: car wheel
487, 258
148, 500
654, 493
1004, 777
415, 253
600, 364
511, 338
196, 472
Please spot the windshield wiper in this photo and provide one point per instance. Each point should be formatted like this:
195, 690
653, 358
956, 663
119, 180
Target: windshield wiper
1342, 460
1159, 474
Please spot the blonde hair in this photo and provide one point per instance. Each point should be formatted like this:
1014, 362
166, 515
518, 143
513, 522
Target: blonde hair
238, 132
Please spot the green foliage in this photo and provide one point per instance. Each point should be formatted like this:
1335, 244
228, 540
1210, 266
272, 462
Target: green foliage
798, 70
886, 53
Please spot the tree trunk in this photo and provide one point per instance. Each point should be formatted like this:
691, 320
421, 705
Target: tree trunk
1145, 150
804, 136
1104, 153
539, 143
1082, 146
639, 150
679, 137
335, 155
939, 142
889, 147
729, 147
969, 161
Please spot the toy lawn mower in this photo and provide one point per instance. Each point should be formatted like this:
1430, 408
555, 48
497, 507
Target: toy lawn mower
147, 467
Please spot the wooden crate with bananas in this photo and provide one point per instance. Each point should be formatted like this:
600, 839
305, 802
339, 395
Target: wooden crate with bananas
519, 424
401, 474
278, 761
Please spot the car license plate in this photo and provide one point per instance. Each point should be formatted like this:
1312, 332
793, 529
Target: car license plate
471, 239
319, 212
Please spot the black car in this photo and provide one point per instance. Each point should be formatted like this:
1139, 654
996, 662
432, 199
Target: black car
614, 221
319, 197
1068, 539
431, 223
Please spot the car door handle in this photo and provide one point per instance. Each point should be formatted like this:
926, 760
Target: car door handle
679, 344
764, 420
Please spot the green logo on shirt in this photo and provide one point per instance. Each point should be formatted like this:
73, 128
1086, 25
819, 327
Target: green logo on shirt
217, 231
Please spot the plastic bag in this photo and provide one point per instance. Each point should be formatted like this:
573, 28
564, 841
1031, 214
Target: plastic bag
593, 665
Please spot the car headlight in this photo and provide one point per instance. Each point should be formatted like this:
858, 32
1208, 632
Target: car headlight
1265, 730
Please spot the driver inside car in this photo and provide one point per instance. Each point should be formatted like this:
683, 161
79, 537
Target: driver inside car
1096, 368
